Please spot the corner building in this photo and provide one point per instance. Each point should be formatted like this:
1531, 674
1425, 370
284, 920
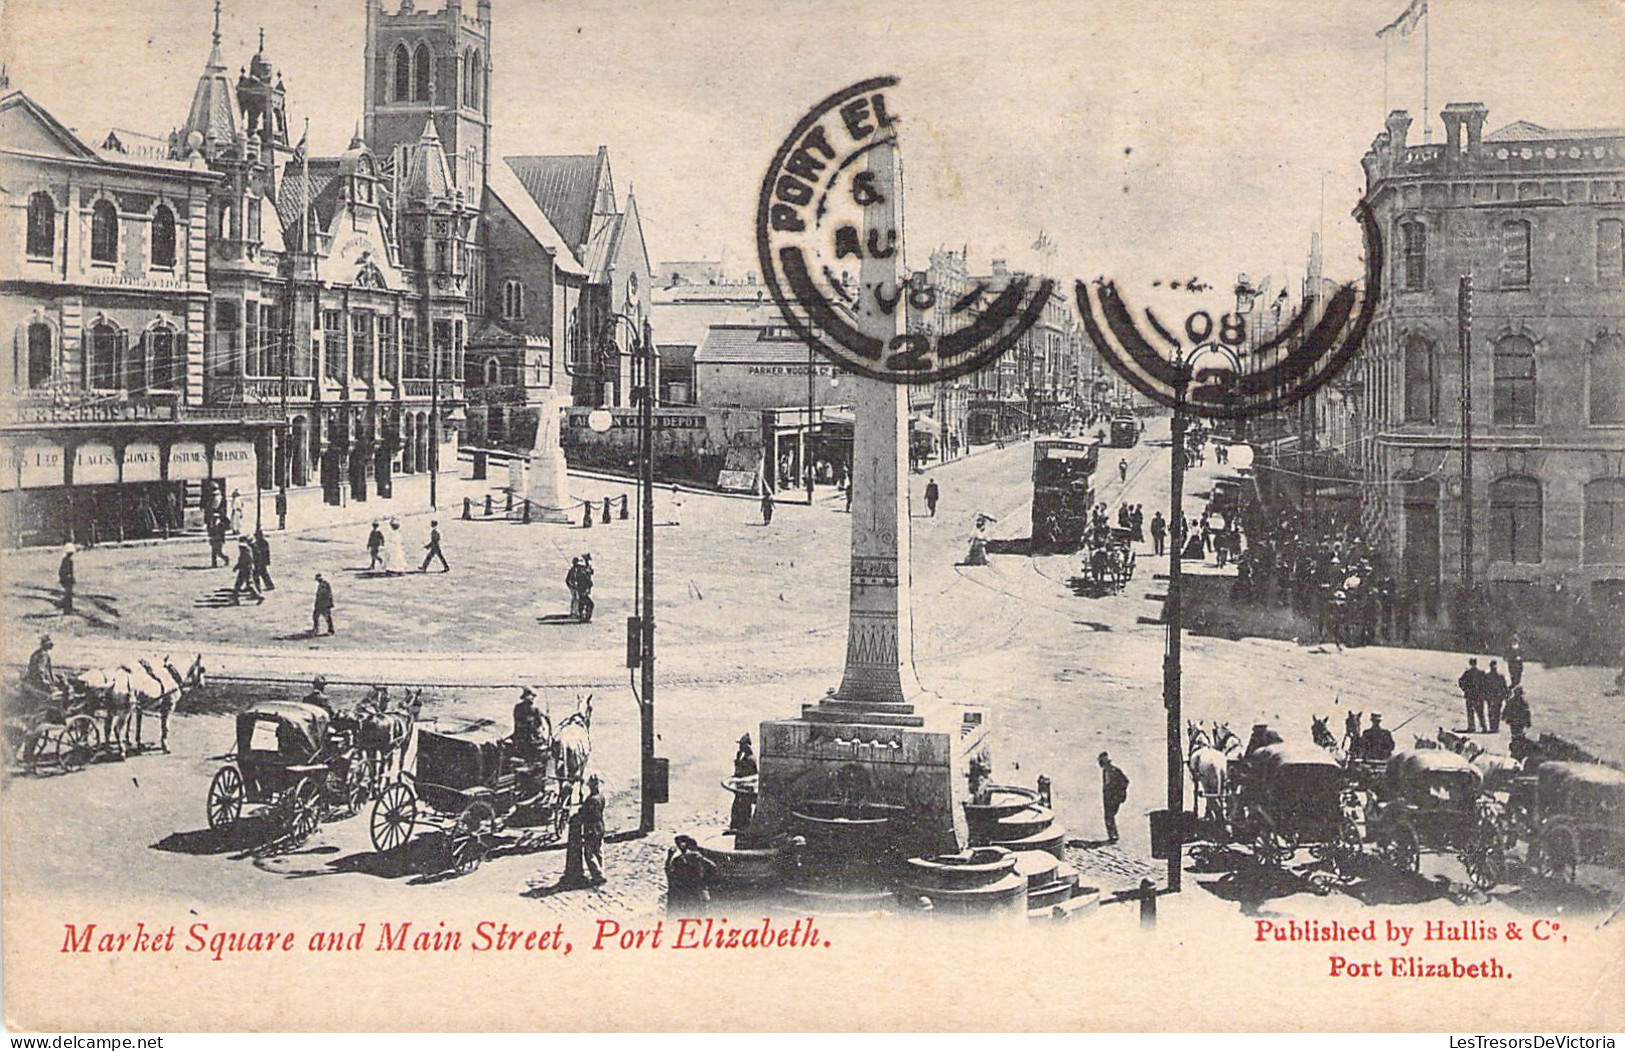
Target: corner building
1537, 217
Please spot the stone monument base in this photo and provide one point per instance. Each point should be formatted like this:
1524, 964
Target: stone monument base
843, 766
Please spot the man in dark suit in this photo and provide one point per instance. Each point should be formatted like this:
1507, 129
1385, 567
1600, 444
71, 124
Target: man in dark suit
216, 526
433, 549
65, 577
1472, 692
323, 610
592, 831
245, 571
1113, 793
262, 561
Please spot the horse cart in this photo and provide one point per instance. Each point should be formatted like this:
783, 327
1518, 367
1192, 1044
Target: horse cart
1571, 814
468, 783
1109, 561
291, 764
1433, 801
55, 732
1284, 797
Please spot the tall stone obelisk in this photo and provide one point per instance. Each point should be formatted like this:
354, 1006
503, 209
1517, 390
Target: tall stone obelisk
547, 484
878, 739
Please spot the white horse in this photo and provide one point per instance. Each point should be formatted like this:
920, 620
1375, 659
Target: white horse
1208, 766
572, 744
140, 690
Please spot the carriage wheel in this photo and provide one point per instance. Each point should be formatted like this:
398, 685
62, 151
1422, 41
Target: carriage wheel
77, 743
355, 788
1485, 858
393, 815
35, 755
469, 836
1349, 845
1269, 849
1559, 853
304, 809
1404, 850
225, 797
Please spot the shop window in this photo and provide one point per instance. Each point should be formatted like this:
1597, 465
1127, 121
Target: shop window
41, 226
104, 232
1515, 519
163, 238
1515, 381
1604, 522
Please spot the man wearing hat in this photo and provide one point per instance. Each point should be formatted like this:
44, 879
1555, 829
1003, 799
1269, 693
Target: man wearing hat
318, 694
744, 796
688, 878
527, 722
41, 676
245, 571
1376, 742
592, 831
65, 577
1113, 792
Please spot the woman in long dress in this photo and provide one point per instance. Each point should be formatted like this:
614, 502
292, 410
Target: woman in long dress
394, 551
237, 511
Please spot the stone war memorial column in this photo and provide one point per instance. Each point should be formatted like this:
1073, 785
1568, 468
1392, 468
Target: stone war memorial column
878, 747
547, 487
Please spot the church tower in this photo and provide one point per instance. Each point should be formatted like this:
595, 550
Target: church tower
431, 65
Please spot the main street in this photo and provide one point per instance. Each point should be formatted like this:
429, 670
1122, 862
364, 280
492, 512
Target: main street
751, 625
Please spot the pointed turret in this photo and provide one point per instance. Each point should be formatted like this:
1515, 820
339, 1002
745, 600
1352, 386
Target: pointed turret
211, 124
428, 176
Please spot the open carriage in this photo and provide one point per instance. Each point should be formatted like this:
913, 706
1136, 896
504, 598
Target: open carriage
468, 783
56, 733
1284, 797
292, 765
1571, 814
1434, 801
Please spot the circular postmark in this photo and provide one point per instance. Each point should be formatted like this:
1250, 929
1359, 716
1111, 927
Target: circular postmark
829, 238
1215, 367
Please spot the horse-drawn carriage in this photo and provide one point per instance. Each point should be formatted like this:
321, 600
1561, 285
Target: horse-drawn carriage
1571, 814
472, 784
1434, 801
292, 764
1109, 558
53, 731
1284, 797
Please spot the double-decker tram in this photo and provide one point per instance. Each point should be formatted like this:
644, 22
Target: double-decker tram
1063, 491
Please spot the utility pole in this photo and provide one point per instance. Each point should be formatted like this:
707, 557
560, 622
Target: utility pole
806, 433
1464, 337
434, 409
1171, 670
644, 360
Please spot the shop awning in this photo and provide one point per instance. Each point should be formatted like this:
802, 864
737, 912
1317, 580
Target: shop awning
925, 425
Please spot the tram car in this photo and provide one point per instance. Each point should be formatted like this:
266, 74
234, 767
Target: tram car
1063, 492
1125, 430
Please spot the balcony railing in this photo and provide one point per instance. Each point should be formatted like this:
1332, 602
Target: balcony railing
425, 389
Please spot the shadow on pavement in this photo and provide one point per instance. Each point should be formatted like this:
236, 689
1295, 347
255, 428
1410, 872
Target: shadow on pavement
241, 837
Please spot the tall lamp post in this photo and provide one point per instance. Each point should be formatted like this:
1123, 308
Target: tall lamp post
640, 633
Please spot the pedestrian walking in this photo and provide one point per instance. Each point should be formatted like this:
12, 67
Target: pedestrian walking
323, 609
245, 572
375, 548
1122, 470
767, 507
433, 549
66, 577
688, 878
1137, 523
237, 511
932, 493
1159, 533
394, 550
590, 822
1471, 684
1515, 664
584, 588
262, 562
215, 524
282, 509
1495, 695
1113, 793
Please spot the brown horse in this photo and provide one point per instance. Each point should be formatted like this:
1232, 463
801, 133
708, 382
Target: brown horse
383, 732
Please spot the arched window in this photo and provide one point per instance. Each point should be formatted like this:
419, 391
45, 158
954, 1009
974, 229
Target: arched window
1419, 386
476, 79
403, 74
1515, 265
1605, 381
1515, 519
135, 367
104, 356
41, 226
420, 74
161, 346
163, 237
1604, 522
513, 299
104, 232
41, 354
1414, 242
493, 372
1515, 381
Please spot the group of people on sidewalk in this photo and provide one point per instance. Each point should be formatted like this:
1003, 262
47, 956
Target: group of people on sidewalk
1492, 698
386, 552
